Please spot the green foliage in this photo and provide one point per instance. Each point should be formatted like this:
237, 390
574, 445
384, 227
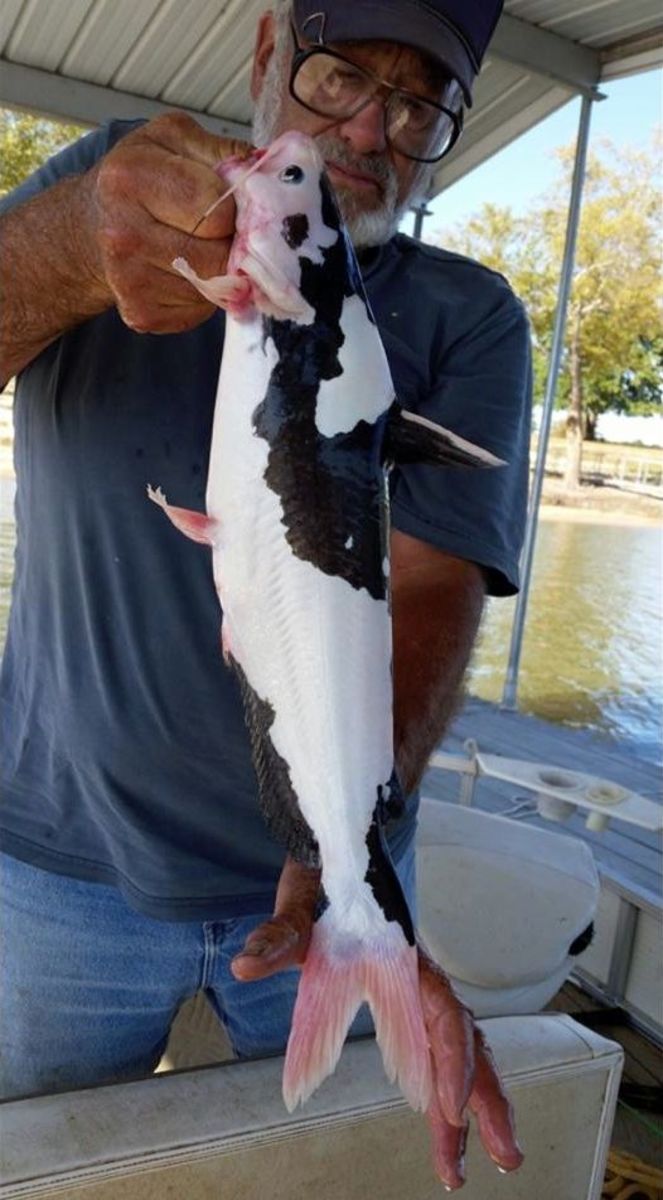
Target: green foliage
614, 319
26, 142
637, 389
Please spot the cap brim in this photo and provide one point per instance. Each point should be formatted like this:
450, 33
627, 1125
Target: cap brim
410, 24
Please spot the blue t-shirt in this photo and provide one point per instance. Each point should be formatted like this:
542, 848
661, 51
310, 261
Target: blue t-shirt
124, 756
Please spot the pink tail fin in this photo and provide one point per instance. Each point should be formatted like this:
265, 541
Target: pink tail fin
331, 989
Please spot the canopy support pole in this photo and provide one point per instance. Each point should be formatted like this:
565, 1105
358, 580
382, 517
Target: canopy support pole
509, 695
420, 211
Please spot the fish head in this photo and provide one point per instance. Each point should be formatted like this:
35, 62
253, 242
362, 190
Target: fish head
286, 216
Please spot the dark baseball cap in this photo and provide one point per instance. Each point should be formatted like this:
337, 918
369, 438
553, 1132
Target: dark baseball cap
455, 32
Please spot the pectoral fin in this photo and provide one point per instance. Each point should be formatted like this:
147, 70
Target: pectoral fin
411, 438
196, 525
232, 292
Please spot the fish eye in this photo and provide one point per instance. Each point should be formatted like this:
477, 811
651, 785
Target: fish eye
291, 174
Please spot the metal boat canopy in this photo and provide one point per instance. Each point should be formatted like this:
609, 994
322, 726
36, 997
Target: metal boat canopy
88, 60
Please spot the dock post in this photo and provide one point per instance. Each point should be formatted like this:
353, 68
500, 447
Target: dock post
420, 211
509, 695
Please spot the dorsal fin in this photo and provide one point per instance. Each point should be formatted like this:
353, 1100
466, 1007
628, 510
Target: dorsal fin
411, 438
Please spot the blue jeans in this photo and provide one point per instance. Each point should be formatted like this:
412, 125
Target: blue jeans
90, 987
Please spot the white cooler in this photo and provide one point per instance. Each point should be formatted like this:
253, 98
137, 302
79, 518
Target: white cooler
501, 904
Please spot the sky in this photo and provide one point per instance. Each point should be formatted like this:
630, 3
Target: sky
520, 172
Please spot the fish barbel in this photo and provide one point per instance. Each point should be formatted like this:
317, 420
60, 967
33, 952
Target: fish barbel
305, 427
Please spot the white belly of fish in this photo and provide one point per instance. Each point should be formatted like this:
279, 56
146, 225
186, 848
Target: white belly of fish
315, 648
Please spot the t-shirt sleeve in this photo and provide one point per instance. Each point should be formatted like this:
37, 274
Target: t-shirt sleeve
74, 159
482, 391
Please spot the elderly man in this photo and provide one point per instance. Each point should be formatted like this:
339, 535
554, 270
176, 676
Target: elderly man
136, 865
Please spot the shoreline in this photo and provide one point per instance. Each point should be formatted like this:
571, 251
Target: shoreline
599, 505
594, 516
594, 506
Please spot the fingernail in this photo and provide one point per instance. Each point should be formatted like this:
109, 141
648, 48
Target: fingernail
460, 1173
256, 948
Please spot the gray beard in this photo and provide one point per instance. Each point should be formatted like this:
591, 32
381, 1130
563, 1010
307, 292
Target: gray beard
366, 228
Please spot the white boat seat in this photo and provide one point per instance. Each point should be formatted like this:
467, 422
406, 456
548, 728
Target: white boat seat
223, 1133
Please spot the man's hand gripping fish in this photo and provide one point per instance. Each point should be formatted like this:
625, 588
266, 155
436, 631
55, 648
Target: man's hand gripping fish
305, 428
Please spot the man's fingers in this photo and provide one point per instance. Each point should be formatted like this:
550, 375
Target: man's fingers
282, 941
181, 134
150, 294
273, 946
493, 1110
448, 1144
451, 1035
462, 1064
198, 155
174, 190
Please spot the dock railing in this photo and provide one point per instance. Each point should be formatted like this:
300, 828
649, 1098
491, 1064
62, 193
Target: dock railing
629, 469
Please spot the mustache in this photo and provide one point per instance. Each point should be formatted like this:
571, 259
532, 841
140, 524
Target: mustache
376, 166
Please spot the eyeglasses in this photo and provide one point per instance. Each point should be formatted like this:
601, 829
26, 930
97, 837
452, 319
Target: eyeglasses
330, 85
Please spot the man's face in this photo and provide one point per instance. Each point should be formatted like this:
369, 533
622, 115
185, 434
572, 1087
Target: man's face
374, 183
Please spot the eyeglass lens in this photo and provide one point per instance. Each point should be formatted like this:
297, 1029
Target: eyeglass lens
334, 87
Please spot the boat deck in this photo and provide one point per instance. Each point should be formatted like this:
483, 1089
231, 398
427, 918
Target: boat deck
638, 1127
630, 855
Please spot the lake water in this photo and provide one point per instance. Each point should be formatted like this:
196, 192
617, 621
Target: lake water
593, 646
592, 653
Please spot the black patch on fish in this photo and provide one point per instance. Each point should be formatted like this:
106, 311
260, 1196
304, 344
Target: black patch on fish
391, 799
383, 880
322, 904
278, 801
332, 489
295, 230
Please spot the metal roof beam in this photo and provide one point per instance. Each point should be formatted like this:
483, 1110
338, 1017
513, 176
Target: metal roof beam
88, 103
641, 53
545, 53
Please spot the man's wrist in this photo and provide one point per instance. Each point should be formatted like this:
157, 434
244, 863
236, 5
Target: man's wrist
437, 602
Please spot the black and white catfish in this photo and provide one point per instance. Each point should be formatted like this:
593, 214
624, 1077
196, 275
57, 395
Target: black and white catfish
305, 427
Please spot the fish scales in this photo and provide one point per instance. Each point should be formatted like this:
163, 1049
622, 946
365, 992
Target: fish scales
297, 517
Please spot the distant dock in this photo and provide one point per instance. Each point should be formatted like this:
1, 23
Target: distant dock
630, 855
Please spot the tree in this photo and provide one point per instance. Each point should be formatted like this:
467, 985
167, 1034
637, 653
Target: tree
26, 142
612, 352
637, 389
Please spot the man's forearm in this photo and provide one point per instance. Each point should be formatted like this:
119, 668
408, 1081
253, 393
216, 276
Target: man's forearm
437, 602
109, 236
50, 275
